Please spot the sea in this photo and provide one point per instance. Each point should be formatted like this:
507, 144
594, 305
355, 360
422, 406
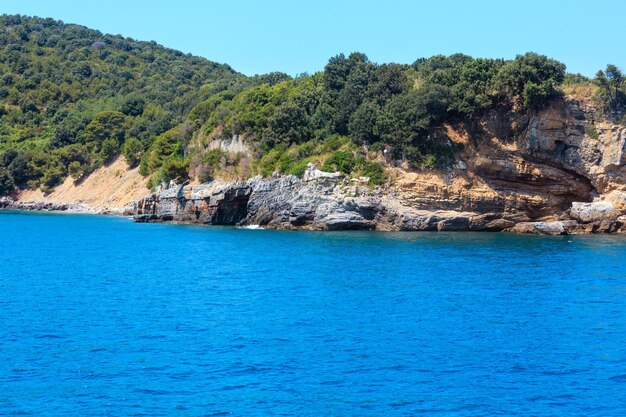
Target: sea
100, 316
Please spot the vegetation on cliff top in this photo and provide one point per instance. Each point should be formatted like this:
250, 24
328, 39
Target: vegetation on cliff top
72, 99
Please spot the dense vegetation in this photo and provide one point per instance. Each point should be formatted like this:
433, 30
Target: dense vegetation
72, 99
356, 108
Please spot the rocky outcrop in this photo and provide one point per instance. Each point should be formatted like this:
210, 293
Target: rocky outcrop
316, 201
7, 203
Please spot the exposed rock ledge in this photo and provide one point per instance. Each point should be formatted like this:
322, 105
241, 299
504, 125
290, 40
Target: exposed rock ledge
7, 203
322, 201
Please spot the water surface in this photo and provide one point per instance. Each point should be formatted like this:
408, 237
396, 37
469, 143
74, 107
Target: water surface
100, 316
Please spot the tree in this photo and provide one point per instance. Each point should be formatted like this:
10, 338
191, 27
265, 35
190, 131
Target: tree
18, 168
611, 81
63, 136
354, 91
407, 120
106, 125
6, 182
110, 149
290, 123
362, 125
8, 156
132, 151
540, 70
389, 81
175, 169
74, 169
133, 107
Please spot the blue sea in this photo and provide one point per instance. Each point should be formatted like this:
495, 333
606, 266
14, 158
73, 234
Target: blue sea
100, 316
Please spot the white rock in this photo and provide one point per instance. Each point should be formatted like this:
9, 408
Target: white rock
590, 212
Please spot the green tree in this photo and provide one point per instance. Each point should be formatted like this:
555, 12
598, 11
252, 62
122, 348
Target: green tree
362, 125
133, 107
176, 169
106, 125
75, 169
6, 182
547, 74
290, 123
110, 149
611, 82
18, 168
132, 151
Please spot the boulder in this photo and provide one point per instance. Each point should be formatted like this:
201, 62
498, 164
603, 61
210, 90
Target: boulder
499, 224
593, 212
456, 223
543, 228
348, 220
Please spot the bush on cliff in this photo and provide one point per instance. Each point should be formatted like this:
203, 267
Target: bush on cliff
612, 92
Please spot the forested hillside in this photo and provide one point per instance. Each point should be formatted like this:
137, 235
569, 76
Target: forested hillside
71, 99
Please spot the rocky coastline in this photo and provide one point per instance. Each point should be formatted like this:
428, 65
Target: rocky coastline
325, 201
9, 203
555, 171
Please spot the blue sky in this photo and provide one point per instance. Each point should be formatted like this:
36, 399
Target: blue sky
293, 36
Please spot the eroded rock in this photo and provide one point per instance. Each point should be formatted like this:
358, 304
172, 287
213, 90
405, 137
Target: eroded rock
593, 212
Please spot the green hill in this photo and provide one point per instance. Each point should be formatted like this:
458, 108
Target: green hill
72, 99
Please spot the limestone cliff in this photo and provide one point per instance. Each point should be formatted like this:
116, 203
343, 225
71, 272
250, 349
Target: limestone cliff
554, 171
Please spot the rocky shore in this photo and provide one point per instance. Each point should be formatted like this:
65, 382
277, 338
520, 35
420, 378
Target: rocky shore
555, 171
8, 203
324, 201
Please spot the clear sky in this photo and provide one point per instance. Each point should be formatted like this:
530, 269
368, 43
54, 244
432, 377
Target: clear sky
294, 36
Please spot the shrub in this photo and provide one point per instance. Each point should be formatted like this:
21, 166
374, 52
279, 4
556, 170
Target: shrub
299, 167
213, 157
592, 132
334, 142
267, 165
342, 161
375, 171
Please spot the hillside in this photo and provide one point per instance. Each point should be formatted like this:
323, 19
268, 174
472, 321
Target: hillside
73, 99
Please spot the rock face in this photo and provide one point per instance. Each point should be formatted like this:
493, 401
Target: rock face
316, 201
